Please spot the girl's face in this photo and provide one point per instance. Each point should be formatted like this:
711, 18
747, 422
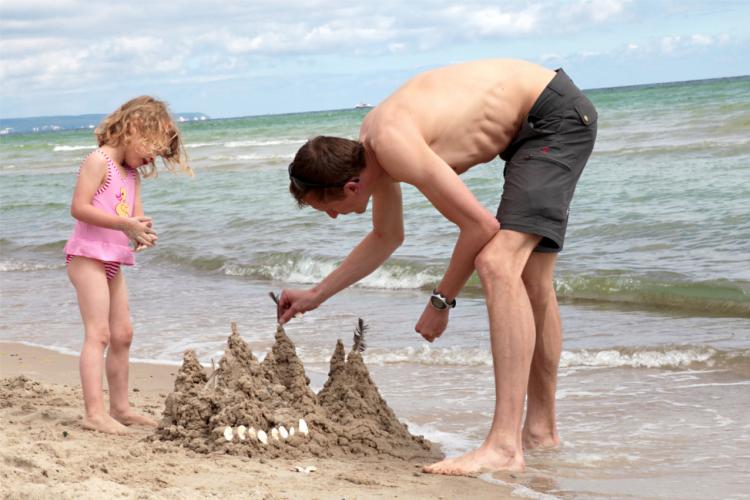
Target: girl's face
139, 152
135, 157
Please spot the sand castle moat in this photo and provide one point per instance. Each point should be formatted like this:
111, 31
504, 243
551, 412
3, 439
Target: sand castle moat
247, 407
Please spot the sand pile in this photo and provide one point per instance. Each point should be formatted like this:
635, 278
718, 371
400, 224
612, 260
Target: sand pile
252, 408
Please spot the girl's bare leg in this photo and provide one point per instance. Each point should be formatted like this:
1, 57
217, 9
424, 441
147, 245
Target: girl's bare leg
90, 281
121, 336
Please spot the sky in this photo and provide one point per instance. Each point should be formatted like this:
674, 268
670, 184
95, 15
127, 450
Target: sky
254, 57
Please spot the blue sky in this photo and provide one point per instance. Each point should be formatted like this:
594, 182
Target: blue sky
238, 58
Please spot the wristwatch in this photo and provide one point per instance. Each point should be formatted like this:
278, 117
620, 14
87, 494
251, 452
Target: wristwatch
439, 301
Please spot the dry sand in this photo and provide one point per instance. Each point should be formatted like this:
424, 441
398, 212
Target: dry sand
44, 452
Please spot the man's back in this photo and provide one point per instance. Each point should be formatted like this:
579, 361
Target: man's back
466, 113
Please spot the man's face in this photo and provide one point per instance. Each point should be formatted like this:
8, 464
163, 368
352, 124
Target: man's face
354, 201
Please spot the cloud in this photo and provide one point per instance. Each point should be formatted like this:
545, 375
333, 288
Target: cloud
50, 47
686, 43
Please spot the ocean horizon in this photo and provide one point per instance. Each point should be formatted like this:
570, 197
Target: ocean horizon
191, 115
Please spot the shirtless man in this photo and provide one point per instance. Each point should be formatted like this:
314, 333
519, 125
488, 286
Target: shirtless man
435, 127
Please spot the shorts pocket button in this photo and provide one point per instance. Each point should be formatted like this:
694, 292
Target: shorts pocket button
586, 118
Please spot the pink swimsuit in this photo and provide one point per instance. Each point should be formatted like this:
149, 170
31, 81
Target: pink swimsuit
115, 196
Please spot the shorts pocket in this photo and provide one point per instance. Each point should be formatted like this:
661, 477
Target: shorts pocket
538, 186
586, 111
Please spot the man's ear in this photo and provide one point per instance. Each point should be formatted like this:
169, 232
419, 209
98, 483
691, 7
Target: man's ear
352, 186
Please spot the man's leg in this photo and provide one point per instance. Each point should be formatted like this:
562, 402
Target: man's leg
540, 428
500, 265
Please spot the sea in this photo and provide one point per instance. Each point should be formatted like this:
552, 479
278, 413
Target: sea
654, 284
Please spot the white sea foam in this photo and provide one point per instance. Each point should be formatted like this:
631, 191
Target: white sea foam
638, 359
274, 142
450, 443
15, 266
73, 148
254, 156
518, 490
309, 270
463, 356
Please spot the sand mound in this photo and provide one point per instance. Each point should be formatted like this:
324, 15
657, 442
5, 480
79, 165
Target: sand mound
347, 417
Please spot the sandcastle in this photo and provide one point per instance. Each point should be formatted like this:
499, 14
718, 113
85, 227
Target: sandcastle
247, 407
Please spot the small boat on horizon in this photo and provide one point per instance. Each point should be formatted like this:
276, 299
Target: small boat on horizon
363, 105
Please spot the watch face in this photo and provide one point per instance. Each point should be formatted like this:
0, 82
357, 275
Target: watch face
437, 303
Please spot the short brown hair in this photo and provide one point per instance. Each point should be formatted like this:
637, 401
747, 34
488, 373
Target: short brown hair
323, 165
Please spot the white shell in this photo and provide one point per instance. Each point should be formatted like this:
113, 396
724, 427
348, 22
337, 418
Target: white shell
283, 432
291, 431
241, 432
306, 470
251, 433
303, 427
228, 435
275, 433
263, 437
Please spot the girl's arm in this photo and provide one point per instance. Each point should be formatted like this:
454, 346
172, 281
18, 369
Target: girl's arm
137, 204
92, 175
138, 212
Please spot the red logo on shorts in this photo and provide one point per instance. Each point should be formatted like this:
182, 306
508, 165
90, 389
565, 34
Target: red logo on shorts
545, 149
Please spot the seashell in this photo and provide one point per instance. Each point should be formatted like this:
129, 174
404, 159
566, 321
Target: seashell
283, 432
228, 435
291, 430
308, 469
275, 433
241, 432
303, 427
263, 437
251, 433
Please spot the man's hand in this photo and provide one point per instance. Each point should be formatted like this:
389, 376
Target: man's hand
140, 231
432, 323
293, 302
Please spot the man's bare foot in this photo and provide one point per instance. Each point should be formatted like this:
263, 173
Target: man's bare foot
541, 441
104, 423
482, 459
132, 418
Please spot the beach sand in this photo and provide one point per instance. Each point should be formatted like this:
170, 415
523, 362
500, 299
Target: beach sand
45, 453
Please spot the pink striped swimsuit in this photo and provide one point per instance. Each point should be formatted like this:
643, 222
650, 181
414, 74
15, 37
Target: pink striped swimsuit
115, 196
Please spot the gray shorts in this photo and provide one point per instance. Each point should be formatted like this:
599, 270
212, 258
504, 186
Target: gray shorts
544, 161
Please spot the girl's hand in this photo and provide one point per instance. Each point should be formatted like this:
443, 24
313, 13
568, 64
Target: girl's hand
140, 231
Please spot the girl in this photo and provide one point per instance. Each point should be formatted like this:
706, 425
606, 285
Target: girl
107, 207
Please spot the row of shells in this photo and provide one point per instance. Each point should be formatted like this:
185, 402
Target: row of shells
277, 433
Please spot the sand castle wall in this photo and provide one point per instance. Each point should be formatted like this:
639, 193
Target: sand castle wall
264, 408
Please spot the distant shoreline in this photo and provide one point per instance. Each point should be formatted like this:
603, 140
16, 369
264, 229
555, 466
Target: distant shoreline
4, 122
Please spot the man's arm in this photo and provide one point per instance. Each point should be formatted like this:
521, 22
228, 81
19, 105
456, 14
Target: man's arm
386, 236
403, 153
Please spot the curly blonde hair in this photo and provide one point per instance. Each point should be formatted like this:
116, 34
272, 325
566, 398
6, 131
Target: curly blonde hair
145, 122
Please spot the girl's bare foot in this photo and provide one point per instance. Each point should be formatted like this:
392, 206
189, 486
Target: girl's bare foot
482, 459
104, 423
132, 418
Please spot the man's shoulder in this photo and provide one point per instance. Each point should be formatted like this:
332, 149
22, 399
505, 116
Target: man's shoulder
384, 122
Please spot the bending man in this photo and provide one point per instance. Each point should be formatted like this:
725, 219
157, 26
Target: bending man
436, 126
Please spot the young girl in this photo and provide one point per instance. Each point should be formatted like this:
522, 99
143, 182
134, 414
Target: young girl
107, 206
